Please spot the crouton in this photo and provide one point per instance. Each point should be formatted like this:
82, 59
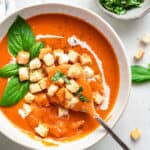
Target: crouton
29, 98
98, 98
59, 82
42, 130
73, 86
36, 75
25, 111
75, 71
52, 89
43, 83
78, 124
44, 51
145, 39
135, 134
58, 52
62, 112
35, 64
48, 59
42, 100
85, 59
35, 88
89, 73
68, 95
23, 73
139, 54
71, 103
73, 56
63, 59
61, 94
23, 57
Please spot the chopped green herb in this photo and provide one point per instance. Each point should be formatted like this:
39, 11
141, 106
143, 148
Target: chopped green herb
59, 75
120, 7
80, 95
83, 98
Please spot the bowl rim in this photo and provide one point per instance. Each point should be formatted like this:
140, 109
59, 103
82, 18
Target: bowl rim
120, 17
116, 119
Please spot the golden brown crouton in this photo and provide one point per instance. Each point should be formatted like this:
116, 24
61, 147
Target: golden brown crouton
23, 57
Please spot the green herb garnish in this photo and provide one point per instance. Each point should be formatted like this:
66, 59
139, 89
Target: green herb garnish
14, 91
140, 74
80, 95
9, 70
58, 75
120, 7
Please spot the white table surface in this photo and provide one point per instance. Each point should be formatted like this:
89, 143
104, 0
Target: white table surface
137, 113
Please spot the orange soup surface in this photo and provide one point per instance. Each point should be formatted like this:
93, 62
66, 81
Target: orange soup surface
76, 124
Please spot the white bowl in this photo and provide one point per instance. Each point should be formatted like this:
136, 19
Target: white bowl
131, 14
18, 136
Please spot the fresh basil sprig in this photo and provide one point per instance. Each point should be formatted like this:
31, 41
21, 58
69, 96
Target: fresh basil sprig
58, 75
9, 70
20, 36
140, 74
14, 91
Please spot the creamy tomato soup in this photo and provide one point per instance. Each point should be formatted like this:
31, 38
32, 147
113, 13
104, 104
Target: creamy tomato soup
77, 66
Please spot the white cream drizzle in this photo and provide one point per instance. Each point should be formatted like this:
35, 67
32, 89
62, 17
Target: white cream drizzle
74, 41
44, 36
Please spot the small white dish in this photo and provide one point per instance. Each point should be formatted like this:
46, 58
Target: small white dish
134, 13
15, 134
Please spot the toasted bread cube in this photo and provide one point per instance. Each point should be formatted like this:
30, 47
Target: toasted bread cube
36, 75
43, 83
23, 73
135, 134
44, 51
63, 59
42, 130
75, 71
98, 98
60, 82
29, 98
48, 59
73, 86
62, 112
85, 59
25, 111
35, 64
73, 56
58, 52
139, 54
42, 100
145, 39
35, 88
89, 73
61, 94
23, 57
71, 103
68, 95
52, 89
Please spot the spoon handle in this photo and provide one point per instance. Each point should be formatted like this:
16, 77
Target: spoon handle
115, 137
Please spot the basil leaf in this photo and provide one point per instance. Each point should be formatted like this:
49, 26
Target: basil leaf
14, 92
35, 50
9, 70
140, 74
59, 75
20, 36
83, 98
